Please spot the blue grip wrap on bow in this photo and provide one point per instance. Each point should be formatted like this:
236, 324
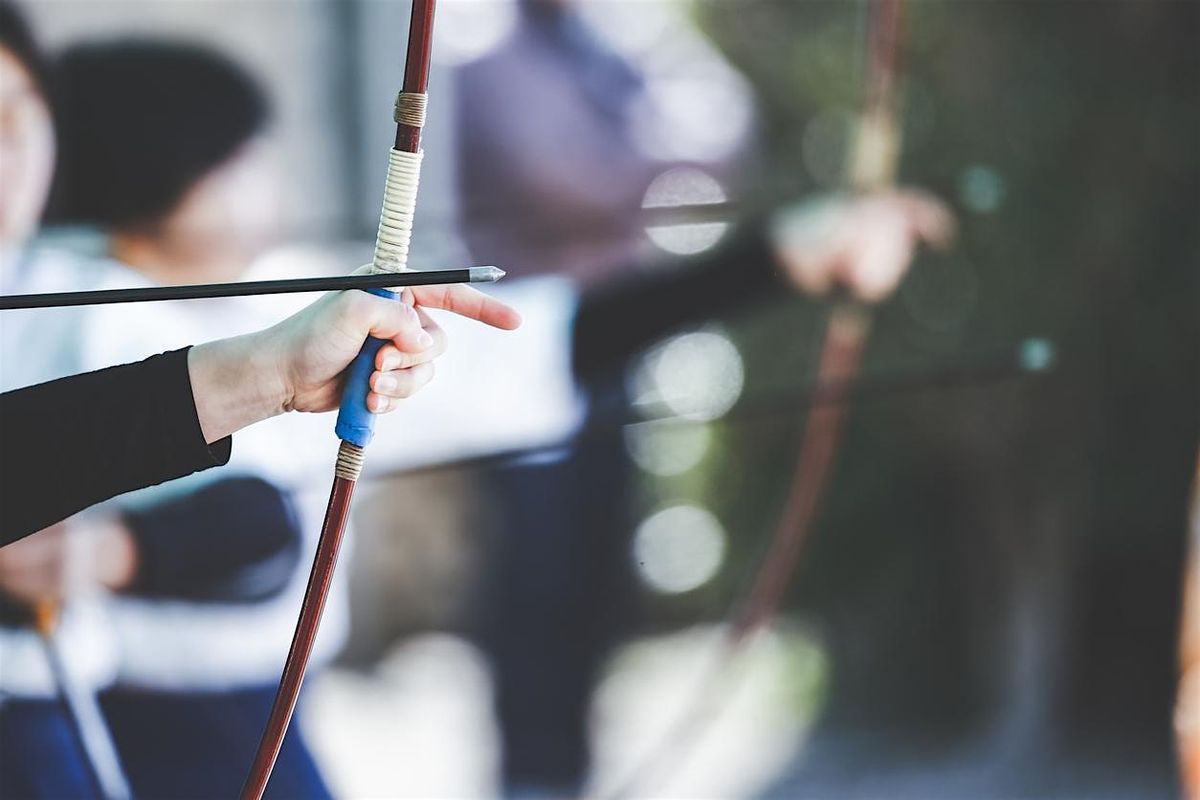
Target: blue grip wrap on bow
355, 423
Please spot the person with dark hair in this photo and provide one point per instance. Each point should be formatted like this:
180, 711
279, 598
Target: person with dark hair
110, 431
127, 173
575, 210
162, 167
162, 148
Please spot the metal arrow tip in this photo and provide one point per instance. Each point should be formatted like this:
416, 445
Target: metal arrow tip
486, 274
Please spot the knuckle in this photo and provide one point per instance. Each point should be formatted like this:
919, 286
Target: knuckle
404, 386
359, 304
396, 359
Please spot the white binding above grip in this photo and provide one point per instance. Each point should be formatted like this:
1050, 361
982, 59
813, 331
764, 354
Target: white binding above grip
396, 218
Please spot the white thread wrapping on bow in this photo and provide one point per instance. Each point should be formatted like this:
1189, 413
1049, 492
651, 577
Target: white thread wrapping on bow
391, 255
396, 219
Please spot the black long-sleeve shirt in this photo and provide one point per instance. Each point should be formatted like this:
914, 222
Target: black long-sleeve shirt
627, 315
71, 443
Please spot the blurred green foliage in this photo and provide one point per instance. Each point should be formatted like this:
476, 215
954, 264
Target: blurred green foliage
1065, 136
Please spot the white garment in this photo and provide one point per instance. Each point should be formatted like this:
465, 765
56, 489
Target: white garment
165, 644
195, 646
494, 390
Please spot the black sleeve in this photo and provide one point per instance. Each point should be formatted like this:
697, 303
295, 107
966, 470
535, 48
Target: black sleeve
620, 319
68, 444
236, 540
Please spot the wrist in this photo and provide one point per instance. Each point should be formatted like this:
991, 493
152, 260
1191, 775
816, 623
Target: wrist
235, 383
266, 371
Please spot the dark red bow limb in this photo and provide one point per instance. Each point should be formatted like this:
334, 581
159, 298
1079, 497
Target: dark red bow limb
313, 605
408, 139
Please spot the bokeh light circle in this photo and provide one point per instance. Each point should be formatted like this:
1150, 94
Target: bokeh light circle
667, 449
981, 188
685, 186
469, 29
698, 376
679, 549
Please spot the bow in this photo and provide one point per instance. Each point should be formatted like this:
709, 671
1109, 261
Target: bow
872, 167
355, 422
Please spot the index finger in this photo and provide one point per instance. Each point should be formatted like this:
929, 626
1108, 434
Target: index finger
468, 302
931, 217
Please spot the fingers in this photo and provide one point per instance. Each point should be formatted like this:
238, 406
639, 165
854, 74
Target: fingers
811, 275
401, 374
458, 299
875, 243
931, 219
468, 302
879, 262
410, 330
392, 357
404, 365
388, 388
398, 322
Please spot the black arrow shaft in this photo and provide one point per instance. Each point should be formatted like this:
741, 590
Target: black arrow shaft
243, 289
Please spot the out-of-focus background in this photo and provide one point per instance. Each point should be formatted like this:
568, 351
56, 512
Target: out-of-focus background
993, 592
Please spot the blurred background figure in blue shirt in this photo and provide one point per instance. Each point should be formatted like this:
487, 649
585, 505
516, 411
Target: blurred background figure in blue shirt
553, 172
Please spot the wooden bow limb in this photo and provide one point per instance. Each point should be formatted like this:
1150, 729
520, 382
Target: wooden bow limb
872, 167
391, 246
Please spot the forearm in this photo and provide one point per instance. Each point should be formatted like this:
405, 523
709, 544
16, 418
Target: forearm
71, 443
